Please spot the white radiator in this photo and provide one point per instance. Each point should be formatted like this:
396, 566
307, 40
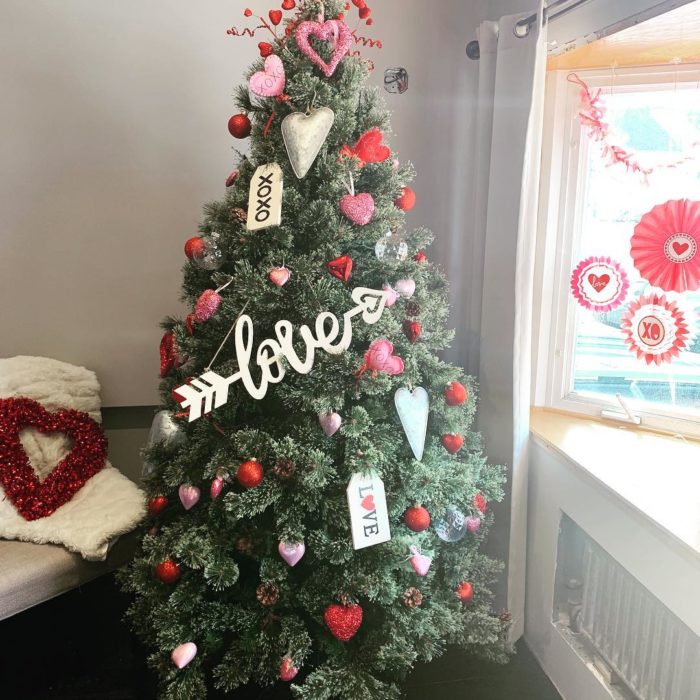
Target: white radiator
654, 654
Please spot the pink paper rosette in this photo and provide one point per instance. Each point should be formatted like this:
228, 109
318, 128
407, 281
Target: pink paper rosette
666, 246
599, 284
655, 329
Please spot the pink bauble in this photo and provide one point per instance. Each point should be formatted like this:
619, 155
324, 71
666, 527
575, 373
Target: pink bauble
472, 523
216, 487
358, 208
183, 654
189, 495
288, 670
391, 294
330, 422
206, 305
405, 287
292, 552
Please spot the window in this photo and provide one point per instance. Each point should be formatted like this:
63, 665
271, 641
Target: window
589, 209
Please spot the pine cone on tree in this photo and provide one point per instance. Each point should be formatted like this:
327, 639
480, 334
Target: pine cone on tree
284, 468
412, 308
238, 215
267, 593
412, 597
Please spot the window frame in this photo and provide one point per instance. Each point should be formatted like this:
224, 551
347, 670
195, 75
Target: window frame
562, 191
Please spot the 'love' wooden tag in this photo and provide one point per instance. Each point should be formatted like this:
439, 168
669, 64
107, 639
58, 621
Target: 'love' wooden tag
369, 517
265, 199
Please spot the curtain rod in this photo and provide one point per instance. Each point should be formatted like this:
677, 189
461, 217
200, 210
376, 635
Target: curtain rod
522, 28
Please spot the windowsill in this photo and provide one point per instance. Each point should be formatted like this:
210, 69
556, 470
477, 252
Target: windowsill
657, 475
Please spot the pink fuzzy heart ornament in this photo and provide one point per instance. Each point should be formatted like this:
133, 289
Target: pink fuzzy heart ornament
183, 654
269, 82
379, 358
358, 208
333, 30
419, 562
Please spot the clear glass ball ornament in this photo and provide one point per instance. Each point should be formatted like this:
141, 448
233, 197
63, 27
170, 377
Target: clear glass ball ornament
451, 527
210, 257
391, 246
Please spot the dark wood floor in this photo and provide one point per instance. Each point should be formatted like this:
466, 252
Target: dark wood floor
77, 647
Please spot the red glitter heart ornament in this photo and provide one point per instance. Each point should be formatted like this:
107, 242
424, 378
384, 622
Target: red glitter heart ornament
169, 356
34, 498
343, 620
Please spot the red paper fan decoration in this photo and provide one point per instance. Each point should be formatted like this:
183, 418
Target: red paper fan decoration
655, 329
666, 246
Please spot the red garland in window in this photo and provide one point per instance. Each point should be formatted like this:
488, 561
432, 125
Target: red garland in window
33, 498
655, 329
599, 284
666, 243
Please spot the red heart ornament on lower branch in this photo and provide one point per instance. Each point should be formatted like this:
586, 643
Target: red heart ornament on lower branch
32, 497
452, 442
343, 620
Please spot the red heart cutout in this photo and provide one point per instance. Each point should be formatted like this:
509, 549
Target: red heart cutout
680, 248
33, 498
368, 502
275, 16
598, 283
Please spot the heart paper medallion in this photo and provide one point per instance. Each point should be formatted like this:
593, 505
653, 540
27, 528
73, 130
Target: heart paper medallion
333, 30
598, 283
270, 82
413, 408
368, 503
303, 135
34, 498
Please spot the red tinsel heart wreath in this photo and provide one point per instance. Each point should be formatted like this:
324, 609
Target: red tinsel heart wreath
33, 498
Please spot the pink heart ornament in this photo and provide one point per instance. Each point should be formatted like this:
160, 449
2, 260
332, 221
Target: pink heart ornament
189, 495
358, 208
279, 276
405, 287
216, 487
421, 564
292, 552
330, 422
271, 81
391, 294
472, 523
183, 654
334, 31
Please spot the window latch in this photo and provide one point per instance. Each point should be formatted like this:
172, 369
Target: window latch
625, 416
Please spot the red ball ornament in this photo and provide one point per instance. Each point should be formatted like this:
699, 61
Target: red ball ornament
168, 571
407, 200
456, 394
452, 442
247, 12
412, 330
250, 473
343, 620
288, 670
239, 126
157, 505
420, 256
465, 592
194, 246
417, 519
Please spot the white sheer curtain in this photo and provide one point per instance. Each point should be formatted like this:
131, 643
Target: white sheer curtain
508, 121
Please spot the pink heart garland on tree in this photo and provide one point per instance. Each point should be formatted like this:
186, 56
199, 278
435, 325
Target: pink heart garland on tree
332, 30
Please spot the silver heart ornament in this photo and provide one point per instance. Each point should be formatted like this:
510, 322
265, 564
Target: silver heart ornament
303, 135
412, 407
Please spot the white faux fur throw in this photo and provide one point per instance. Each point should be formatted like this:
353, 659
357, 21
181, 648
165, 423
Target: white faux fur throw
108, 505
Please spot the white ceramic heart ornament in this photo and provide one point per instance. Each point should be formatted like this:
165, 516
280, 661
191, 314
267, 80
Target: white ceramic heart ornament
189, 495
303, 135
183, 654
420, 562
269, 82
330, 422
292, 552
413, 407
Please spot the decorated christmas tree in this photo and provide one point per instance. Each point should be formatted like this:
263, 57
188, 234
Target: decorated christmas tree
318, 500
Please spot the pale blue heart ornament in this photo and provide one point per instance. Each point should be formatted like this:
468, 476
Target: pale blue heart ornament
412, 407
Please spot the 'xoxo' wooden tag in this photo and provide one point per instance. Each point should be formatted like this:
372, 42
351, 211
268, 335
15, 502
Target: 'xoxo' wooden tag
265, 199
